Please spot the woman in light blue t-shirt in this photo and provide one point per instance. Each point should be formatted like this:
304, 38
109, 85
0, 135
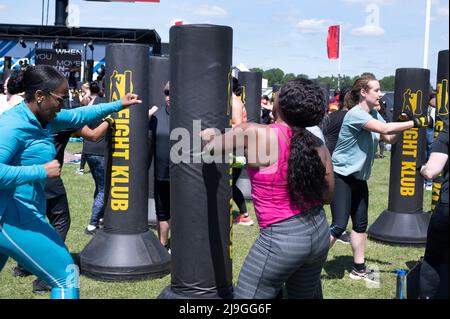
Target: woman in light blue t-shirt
352, 163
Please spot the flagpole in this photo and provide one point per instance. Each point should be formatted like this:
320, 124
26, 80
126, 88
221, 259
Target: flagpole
339, 60
427, 35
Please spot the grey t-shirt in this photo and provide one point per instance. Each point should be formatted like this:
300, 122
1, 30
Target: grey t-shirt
356, 147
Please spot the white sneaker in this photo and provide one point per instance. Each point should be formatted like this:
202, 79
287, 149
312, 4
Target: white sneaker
79, 171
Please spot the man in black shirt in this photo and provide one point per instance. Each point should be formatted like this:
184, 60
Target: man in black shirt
434, 268
331, 124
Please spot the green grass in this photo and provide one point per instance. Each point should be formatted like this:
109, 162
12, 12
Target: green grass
336, 284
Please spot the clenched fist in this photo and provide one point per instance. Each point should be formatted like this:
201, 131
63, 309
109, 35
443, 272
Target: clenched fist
130, 99
53, 169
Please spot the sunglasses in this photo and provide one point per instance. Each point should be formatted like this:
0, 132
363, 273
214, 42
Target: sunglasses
166, 92
61, 99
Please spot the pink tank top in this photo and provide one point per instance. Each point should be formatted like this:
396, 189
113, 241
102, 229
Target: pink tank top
269, 185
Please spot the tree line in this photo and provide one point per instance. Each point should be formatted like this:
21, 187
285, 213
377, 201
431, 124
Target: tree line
276, 76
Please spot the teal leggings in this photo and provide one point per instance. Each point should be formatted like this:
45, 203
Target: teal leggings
38, 248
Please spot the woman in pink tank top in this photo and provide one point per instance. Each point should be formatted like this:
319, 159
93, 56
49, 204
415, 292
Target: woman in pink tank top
292, 177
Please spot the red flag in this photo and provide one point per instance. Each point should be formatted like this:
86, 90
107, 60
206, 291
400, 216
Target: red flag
178, 22
333, 42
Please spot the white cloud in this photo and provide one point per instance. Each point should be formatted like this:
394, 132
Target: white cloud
312, 25
2, 7
368, 30
204, 10
382, 2
443, 11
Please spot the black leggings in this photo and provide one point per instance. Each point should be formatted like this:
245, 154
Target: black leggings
351, 198
238, 197
434, 269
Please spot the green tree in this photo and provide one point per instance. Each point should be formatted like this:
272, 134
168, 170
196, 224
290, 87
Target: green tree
288, 77
388, 83
256, 70
274, 76
302, 76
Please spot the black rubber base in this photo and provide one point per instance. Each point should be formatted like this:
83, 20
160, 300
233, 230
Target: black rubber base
120, 257
401, 228
191, 293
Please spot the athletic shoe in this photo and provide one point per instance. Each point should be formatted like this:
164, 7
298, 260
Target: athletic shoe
241, 220
429, 187
344, 239
41, 286
90, 230
367, 274
167, 247
19, 271
79, 171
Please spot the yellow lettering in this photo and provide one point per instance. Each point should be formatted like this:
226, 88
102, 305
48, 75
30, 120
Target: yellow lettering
125, 154
407, 191
124, 114
117, 204
122, 130
119, 192
411, 134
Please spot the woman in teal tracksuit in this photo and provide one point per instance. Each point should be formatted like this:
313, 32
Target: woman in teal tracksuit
27, 157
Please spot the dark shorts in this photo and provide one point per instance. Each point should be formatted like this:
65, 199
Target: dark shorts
162, 200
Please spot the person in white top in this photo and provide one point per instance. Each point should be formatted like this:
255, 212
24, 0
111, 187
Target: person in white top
8, 100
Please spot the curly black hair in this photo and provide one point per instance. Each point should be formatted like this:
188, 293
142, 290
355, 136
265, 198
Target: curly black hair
301, 105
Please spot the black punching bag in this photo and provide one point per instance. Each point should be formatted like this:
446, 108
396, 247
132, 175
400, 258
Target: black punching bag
251, 96
441, 114
404, 222
125, 249
200, 64
251, 89
158, 76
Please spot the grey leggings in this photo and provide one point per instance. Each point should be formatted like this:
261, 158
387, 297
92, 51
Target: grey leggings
291, 252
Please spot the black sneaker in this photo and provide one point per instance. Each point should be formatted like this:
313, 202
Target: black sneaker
41, 286
19, 271
344, 239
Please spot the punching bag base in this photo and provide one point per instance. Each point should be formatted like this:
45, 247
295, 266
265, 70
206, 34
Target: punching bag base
401, 228
124, 257
169, 293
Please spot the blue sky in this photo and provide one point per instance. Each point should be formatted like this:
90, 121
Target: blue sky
377, 35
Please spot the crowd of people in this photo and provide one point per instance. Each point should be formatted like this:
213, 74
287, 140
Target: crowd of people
323, 157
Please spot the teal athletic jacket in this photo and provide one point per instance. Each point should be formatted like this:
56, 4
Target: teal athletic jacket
25, 146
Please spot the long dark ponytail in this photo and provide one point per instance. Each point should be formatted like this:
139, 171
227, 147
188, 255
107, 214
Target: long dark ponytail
300, 102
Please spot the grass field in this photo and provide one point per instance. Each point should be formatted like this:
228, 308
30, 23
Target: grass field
336, 284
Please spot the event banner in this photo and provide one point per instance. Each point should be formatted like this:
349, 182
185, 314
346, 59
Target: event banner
64, 60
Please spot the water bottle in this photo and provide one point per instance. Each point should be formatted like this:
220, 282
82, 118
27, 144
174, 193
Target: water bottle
401, 284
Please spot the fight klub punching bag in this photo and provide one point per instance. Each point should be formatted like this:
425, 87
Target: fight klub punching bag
200, 87
158, 76
125, 249
441, 118
404, 222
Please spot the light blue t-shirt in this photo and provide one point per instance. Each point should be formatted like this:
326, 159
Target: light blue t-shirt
356, 147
